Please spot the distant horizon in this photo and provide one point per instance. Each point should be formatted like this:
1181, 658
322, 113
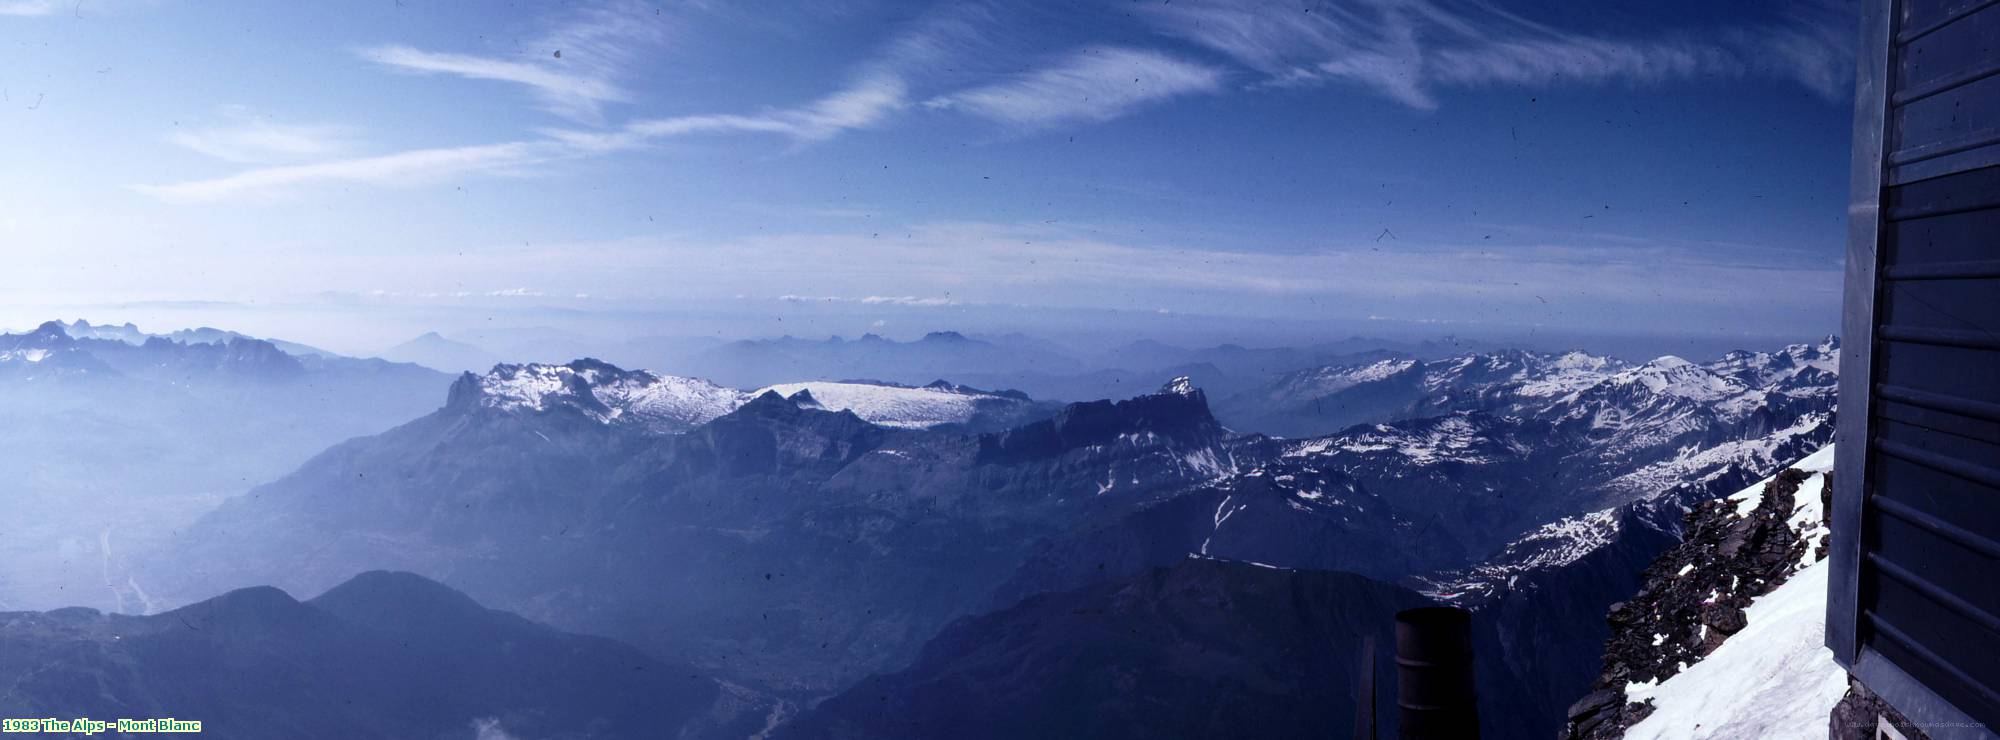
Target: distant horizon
1633, 348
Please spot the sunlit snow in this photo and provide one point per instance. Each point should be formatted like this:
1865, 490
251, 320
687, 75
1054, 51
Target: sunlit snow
1775, 679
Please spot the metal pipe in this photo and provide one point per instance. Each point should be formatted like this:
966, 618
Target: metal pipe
1434, 674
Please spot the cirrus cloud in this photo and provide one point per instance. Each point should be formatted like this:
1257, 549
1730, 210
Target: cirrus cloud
1408, 49
1093, 85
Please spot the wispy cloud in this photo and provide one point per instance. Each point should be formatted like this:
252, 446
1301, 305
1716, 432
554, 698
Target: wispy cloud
250, 139
1092, 85
874, 300
27, 7
604, 44
863, 103
1407, 49
402, 169
489, 728
572, 69
1404, 49
564, 93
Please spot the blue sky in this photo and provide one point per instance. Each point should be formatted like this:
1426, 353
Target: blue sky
352, 173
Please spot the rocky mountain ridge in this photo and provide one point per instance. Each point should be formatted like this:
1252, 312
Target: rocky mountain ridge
1734, 551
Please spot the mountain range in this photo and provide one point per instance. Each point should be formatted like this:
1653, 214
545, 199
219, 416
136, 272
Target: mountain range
888, 556
789, 543
1038, 367
116, 437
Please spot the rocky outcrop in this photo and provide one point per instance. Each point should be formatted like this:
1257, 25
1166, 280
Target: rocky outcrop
1693, 596
1178, 413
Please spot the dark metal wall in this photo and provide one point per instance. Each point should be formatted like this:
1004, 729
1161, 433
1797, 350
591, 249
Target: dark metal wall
1914, 606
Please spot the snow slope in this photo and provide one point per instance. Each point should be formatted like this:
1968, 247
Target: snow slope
1775, 679
1725, 637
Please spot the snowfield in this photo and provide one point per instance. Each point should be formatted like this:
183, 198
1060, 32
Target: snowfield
890, 405
1773, 680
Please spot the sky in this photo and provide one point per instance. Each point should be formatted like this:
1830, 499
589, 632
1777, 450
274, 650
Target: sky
355, 173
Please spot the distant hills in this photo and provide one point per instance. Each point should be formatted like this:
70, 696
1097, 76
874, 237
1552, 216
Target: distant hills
382, 655
130, 334
116, 437
433, 351
1040, 368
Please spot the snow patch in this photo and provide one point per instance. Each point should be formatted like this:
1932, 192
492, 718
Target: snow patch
658, 403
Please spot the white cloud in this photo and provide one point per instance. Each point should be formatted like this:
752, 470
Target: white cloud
572, 68
518, 293
907, 300
488, 728
253, 140
1093, 85
27, 7
564, 93
864, 103
873, 300
402, 169
1406, 49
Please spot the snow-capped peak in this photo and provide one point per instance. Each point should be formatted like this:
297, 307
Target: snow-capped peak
1179, 386
606, 393
1578, 360
34, 346
1673, 376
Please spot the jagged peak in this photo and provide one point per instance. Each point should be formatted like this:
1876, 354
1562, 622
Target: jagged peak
804, 399
1177, 414
50, 329
799, 409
